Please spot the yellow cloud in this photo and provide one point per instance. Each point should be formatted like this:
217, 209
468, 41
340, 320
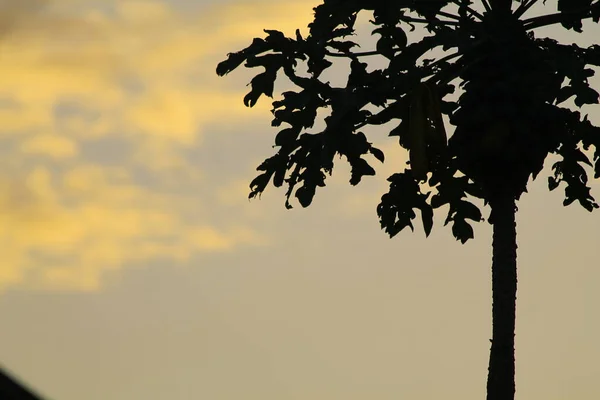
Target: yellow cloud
209, 238
108, 223
140, 74
92, 58
166, 112
17, 119
52, 145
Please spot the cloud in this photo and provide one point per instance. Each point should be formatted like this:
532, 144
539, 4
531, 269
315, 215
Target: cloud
50, 145
95, 58
138, 77
66, 232
13, 13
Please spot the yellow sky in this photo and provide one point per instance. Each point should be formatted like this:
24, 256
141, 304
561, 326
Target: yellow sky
126, 75
134, 267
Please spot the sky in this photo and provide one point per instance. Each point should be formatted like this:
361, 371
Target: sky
134, 266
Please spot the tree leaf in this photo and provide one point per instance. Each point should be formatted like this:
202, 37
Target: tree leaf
378, 154
427, 218
438, 200
468, 210
360, 168
286, 137
233, 61
462, 230
586, 95
259, 184
261, 84
305, 195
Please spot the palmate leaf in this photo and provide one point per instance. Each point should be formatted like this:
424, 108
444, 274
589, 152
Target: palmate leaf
452, 193
396, 209
571, 171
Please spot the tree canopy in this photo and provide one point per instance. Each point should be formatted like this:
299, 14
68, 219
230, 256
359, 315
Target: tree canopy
508, 118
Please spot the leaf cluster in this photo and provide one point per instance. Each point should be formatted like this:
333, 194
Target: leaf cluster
507, 120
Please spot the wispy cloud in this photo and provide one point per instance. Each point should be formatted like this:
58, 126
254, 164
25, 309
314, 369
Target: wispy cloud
99, 103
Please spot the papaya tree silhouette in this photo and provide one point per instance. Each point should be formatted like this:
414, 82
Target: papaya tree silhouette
507, 119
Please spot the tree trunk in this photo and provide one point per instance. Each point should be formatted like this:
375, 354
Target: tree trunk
501, 372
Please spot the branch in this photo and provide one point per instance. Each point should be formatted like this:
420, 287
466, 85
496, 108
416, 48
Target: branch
486, 5
376, 53
525, 5
452, 72
449, 15
353, 55
429, 21
551, 19
443, 59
